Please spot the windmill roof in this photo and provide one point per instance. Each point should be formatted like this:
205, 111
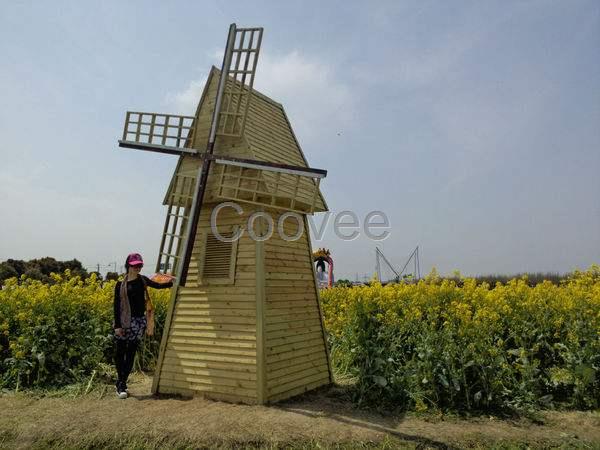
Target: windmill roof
268, 134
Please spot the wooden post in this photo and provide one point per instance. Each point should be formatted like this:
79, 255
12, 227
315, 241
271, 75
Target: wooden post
261, 360
276, 188
165, 337
204, 169
125, 129
151, 133
138, 129
310, 255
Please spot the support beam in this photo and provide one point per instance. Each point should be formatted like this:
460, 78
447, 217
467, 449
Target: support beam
205, 167
159, 148
261, 311
271, 166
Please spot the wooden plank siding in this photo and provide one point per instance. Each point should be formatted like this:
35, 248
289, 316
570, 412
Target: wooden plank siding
211, 343
271, 138
295, 346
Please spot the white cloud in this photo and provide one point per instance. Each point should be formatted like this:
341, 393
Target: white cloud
310, 90
314, 97
185, 102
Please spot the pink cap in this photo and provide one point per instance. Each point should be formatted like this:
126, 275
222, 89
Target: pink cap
134, 259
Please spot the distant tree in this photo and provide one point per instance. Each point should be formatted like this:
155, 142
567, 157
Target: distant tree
47, 265
19, 265
112, 276
75, 267
35, 273
532, 279
7, 271
343, 283
40, 269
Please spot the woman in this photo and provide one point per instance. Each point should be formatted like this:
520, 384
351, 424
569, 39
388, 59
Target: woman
130, 320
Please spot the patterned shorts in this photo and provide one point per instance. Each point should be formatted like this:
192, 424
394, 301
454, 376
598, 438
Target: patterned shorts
135, 331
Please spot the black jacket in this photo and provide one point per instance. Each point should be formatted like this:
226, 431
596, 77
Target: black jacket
137, 298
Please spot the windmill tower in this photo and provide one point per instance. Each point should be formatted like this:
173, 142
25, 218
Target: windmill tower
244, 323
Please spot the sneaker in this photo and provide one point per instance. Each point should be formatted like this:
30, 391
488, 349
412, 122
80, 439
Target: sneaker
121, 393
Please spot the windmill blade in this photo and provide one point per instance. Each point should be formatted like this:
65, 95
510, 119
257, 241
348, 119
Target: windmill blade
239, 81
163, 133
179, 205
233, 108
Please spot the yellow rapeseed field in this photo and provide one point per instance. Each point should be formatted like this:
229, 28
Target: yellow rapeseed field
437, 344
58, 333
433, 344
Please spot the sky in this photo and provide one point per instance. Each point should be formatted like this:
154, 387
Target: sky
474, 126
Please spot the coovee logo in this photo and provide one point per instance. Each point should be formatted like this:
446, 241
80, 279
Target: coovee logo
346, 225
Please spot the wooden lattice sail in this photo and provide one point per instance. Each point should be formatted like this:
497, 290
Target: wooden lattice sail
244, 323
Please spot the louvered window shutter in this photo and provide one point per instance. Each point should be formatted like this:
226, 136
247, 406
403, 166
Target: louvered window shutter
218, 260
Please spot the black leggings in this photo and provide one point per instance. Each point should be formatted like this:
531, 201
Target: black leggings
124, 357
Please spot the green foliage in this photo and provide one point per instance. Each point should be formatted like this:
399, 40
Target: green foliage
343, 283
39, 269
98, 275
532, 279
112, 276
437, 345
59, 333
7, 271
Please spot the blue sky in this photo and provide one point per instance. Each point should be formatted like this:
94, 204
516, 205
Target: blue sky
474, 125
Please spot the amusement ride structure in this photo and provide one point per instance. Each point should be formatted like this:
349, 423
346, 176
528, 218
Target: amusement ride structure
323, 267
398, 275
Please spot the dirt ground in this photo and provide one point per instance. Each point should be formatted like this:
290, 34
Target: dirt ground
320, 419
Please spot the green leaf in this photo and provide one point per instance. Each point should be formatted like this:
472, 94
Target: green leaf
444, 381
381, 381
587, 373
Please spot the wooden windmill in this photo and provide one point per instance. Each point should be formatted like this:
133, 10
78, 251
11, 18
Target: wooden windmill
244, 323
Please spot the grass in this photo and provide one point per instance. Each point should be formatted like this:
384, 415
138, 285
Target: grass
133, 442
89, 416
